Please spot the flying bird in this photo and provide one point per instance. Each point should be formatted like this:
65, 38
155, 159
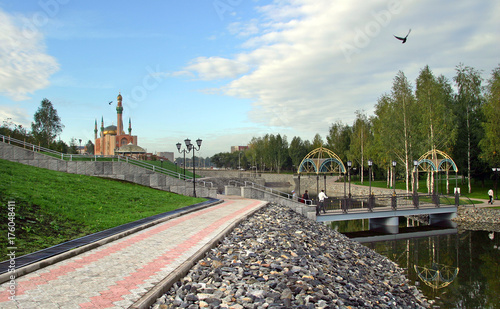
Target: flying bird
110, 102
403, 39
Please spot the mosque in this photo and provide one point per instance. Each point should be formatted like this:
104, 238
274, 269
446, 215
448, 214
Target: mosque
113, 140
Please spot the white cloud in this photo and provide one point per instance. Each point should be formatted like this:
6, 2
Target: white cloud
216, 68
315, 62
24, 65
14, 114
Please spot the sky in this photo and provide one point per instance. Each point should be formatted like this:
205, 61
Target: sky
225, 71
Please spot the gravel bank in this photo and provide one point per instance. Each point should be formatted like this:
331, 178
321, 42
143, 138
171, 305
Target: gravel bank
478, 219
278, 259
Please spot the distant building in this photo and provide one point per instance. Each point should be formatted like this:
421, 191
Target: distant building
113, 140
166, 155
238, 148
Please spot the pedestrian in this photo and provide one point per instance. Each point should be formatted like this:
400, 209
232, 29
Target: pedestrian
305, 197
321, 202
294, 195
490, 194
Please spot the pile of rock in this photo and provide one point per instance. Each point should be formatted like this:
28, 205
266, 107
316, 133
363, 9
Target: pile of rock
278, 259
478, 215
478, 219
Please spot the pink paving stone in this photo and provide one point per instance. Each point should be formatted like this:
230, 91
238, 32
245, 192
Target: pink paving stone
99, 254
149, 270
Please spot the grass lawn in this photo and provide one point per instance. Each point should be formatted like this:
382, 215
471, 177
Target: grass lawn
53, 207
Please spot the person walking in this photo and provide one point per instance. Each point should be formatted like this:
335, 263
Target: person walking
490, 194
305, 197
321, 202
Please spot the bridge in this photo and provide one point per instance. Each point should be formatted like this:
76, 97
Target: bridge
382, 210
385, 210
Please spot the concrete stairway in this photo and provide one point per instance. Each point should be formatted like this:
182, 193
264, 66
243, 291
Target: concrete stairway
109, 169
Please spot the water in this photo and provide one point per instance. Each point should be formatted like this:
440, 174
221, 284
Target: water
453, 267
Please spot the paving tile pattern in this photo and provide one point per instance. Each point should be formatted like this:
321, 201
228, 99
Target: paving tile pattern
117, 274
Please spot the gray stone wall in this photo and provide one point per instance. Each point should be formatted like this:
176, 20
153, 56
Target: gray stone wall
109, 169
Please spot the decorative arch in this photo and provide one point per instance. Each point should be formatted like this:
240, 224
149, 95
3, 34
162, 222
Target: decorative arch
433, 162
437, 161
321, 161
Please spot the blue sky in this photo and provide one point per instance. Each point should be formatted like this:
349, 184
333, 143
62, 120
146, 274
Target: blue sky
228, 70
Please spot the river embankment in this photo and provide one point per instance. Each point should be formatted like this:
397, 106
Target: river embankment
279, 259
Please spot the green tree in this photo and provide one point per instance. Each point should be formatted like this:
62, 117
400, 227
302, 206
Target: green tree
360, 140
47, 124
16, 131
396, 124
297, 151
490, 146
437, 122
73, 146
89, 147
468, 104
339, 139
317, 142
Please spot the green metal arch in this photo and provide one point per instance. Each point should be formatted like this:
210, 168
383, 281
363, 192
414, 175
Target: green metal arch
428, 162
322, 168
455, 169
320, 154
302, 165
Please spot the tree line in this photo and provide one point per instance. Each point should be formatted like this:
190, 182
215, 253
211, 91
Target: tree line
45, 129
459, 117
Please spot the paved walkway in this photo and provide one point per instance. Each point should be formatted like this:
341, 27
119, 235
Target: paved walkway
122, 274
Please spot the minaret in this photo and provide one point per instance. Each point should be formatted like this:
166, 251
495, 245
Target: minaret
95, 130
129, 126
119, 110
102, 135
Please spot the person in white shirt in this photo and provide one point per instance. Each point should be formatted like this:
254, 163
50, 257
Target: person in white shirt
490, 194
321, 202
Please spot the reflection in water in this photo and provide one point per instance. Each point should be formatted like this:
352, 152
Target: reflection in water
455, 268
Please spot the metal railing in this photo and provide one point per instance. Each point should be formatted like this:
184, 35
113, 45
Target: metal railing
84, 157
394, 201
268, 189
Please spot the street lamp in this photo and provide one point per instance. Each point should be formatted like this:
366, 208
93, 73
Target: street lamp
370, 163
161, 162
495, 170
415, 180
370, 196
394, 176
80, 149
184, 152
349, 164
193, 147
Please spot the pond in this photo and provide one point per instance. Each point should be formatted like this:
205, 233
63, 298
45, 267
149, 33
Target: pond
453, 267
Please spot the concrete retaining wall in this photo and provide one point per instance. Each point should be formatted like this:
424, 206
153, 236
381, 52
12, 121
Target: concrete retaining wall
109, 169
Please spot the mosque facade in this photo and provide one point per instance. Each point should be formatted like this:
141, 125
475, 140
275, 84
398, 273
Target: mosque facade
113, 140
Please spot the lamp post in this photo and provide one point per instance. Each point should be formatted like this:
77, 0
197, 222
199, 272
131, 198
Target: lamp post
394, 176
161, 162
495, 170
349, 164
176, 166
193, 147
370, 163
370, 196
184, 152
415, 180
80, 149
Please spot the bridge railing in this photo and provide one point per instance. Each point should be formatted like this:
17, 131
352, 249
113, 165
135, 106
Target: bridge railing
394, 201
282, 194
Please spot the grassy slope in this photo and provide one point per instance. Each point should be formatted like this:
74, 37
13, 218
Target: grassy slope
52, 207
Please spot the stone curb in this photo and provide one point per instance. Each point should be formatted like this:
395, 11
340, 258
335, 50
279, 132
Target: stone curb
148, 299
76, 251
